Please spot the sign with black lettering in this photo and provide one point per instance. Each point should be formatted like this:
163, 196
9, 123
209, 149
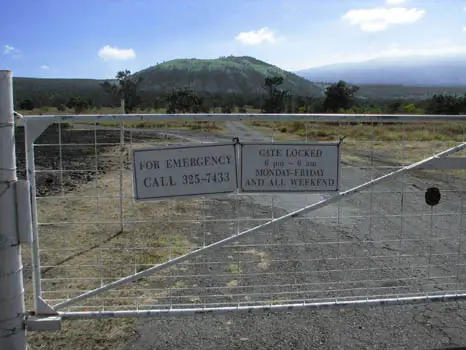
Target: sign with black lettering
184, 171
299, 167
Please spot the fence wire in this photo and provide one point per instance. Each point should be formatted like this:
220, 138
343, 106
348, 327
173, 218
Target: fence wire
384, 242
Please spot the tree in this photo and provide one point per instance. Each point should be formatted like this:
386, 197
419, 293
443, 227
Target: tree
26, 104
227, 109
277, 98
228, 105
184, 101
290, 108
157, 103
78, 104
124, 88
339, 96
394, 107
445, 104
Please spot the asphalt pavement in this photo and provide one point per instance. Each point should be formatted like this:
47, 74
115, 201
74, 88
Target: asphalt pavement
428, 236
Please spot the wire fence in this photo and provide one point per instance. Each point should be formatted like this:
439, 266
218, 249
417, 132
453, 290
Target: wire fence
382, 242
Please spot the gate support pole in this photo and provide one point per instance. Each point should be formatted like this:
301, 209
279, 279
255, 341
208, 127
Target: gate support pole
12, 309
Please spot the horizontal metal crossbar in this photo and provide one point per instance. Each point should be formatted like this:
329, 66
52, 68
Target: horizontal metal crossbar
422, 299
245, 116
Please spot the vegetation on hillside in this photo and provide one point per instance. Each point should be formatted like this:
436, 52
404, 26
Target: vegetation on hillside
405, 92
225, 75
258, 87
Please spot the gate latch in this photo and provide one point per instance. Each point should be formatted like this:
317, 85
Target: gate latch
23, 211
433, 196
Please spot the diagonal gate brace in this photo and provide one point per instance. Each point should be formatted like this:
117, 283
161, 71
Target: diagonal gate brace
294, 214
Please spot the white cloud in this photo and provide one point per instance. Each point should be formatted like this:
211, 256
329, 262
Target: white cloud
11, 51
257, 37
395, 2
108, 53
45, 67
378, 19
7, 49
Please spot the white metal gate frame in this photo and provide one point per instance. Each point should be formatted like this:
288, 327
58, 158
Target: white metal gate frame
35, 126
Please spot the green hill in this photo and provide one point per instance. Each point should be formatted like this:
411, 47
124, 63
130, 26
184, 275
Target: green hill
240, 75
236, 75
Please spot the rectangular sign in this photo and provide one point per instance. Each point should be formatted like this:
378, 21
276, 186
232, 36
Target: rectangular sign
299, 167
183, 171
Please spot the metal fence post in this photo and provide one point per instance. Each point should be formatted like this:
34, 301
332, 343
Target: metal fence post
122, 106
12, 309
122, 164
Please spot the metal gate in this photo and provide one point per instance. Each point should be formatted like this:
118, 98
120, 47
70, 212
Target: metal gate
389, 230
379, 239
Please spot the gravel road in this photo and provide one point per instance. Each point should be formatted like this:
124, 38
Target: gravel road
433, 326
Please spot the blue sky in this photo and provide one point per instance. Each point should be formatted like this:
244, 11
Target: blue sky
96, 38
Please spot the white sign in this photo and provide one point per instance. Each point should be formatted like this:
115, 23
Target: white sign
300, 167
183, 171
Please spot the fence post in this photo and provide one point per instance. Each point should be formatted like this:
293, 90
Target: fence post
122, 163
122, 106
12, 309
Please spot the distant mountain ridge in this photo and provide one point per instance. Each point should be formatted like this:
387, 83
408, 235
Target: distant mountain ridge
412, 71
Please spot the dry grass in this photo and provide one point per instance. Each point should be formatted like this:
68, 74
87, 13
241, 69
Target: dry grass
189, 125
194, 125
235, 268
232, 284
260, 258
324, 131
364, 143
101, 110
86, 334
